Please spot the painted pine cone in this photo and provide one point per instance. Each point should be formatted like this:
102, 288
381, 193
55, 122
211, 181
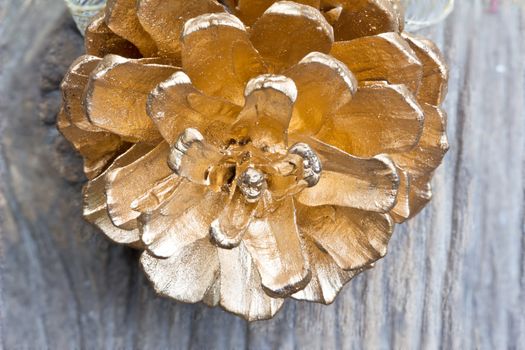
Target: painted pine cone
254, 150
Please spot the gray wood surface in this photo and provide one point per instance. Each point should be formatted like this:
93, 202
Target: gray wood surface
454, 277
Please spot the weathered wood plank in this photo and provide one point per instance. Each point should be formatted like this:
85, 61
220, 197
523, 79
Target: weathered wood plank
454, 277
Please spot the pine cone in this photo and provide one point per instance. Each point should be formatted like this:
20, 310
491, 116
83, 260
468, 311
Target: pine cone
255, 163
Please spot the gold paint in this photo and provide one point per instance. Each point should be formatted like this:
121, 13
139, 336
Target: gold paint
384, 56
258, 160
287, 32
266, 113
251, 301
235, 60
431, 148
420, 194
95, 202
101, 41
434, 83
73, 87
388, 115
372, 182
401, 211
182, 220
119, 88
195, 264
163, 20
97, 148
276, 247
360, 18
353, 238
127, 183
121, 18
175, 105
399, 12
324, 79
250, 10
327, 277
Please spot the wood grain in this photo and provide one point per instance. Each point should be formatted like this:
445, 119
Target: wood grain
454, 277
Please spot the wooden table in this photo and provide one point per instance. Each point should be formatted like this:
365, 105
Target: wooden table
454, 277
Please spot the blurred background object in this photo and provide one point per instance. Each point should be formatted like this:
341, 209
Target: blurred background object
423, 13
84, 10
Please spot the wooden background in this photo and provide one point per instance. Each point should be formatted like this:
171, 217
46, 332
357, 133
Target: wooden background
454, 277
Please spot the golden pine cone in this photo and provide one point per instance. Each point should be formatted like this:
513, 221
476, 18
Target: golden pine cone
275, 162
